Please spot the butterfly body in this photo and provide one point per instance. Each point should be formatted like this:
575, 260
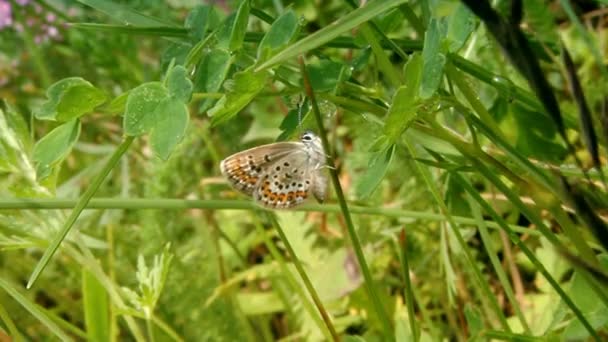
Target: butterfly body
279, 175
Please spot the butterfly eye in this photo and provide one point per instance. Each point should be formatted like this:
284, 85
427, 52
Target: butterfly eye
307, 137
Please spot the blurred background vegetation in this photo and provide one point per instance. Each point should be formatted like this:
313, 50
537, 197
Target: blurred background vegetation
468, 138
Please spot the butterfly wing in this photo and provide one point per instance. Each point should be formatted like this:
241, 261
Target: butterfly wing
289, 181
243, 169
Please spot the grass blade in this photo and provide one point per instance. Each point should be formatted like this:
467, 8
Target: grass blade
352, 233
34, 310
80, 205
325, 35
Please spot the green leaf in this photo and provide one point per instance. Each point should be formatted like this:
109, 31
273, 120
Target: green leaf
404, 106
327, 75
201, 19
69, 99
15, 140
55, 146
247, 84
460, 25
96, 309
378, 164
141, 105
176, 52
331, 31
179, 84
170, 127
282, 31
211, 73
212, 70
232, 32
35, 310
474, 320
434, 58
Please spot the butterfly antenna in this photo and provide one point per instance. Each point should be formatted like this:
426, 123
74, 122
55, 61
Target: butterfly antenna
300, 106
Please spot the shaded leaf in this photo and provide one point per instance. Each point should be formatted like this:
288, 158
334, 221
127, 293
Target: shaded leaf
378, 165
211, 73
460, 25
403, 108
68, 99
282, 31
179, 84
201, 19
584, 114
232, 32
326, 75
433, 55
247, 84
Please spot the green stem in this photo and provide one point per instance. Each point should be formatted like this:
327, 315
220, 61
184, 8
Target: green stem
181, 204
537, 264
409, 295
149, 329
481, 282
166, 328
352, 233
493, 255
295, 286
473, 99
311, 290
80, 205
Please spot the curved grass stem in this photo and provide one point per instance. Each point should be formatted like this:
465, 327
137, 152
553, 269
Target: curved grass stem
80, 205
352, 233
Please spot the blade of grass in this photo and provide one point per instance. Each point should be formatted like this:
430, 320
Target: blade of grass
96, 312
529, 254
352, 233
587, 39
492, 254
409, 293
480, 280
584, 114
311, 290
324, 35
35, 310
295, 286
161, 31
8, 322
88, 261
82, 202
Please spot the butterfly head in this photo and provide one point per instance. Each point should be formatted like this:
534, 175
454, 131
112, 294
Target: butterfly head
310, 139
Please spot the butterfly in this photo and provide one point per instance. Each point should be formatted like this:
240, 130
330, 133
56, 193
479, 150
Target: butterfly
281, 175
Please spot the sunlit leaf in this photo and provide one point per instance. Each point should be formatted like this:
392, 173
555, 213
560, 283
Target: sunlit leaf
70, 98
141, 107
56, 145
179, 84
171, 122
247, 84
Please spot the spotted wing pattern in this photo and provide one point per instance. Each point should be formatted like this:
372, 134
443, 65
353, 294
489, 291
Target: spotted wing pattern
243, 169
287, 182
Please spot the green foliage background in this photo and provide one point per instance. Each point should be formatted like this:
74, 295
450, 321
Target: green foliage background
468, 142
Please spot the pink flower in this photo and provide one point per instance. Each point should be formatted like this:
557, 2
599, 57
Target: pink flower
6, 18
